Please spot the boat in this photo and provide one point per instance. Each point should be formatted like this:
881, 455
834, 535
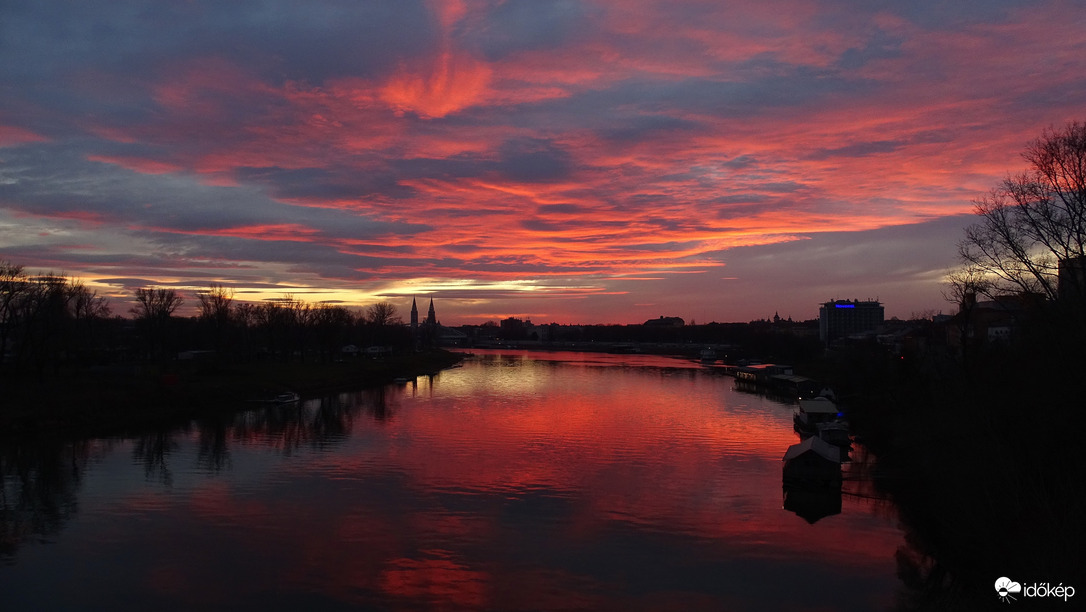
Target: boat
812, 479
835, 432
814, 411
812, 462
708, 355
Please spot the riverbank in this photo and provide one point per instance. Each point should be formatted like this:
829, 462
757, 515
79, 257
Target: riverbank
982, 462
123, 399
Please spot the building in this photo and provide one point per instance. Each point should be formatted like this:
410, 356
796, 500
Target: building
425, 333
1071, 282
991, 321
760, 373
843, 318
665, 322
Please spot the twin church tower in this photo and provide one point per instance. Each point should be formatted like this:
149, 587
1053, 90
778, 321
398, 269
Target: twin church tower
426, 333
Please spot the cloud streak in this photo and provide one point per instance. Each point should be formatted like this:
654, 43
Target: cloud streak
358, 149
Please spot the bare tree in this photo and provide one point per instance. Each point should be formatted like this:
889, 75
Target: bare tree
153, 308
89, 310
283, 322
87, 304
964, 284
962, 288
331, 326
216, 304
382, 314
13, 286
217, 313
45, 319
156, 304
1033, 221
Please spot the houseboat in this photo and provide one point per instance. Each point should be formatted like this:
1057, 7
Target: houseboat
814, 411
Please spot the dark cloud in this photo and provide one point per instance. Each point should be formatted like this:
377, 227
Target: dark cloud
860, 149
639, 129
279, 40
449, 168
901, 265
68, 63
327, 183
514, 26
522, 160
562, 209
45, 180
945, 15
534, 160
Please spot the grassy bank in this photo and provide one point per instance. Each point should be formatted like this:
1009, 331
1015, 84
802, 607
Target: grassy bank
122, 399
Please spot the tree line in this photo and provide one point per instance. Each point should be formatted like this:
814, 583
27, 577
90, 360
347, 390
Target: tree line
45, 319
50, 321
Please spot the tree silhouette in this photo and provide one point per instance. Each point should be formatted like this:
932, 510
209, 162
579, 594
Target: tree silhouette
1036, 220
217, 313
382, 314
153, 308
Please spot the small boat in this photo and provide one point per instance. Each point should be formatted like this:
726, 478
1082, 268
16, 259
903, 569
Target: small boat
288, 397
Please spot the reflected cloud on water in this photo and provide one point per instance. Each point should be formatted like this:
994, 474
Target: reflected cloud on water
509, 484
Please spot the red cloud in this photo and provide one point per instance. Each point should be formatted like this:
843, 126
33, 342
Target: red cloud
673, 137
451, 83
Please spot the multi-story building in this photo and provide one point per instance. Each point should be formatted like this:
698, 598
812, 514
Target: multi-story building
841, 318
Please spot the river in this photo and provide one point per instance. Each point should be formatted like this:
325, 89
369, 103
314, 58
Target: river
520, 481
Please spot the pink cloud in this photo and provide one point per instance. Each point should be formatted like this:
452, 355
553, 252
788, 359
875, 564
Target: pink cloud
649, 139
11, 136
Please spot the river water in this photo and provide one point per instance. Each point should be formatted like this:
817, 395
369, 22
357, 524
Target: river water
520, 481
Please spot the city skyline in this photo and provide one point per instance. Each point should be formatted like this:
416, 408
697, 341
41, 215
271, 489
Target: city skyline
595, 162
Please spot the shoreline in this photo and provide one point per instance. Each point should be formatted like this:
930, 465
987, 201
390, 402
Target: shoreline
124, 399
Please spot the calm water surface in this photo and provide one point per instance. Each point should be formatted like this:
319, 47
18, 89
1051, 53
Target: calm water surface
521, 481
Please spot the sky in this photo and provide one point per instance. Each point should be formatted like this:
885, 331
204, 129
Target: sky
569, 162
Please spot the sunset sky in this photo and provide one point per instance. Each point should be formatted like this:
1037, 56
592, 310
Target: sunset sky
592, 162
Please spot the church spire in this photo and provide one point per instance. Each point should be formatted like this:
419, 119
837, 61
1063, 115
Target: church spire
431, 316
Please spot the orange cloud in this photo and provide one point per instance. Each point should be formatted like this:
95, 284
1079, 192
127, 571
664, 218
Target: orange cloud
634, 138
452, 83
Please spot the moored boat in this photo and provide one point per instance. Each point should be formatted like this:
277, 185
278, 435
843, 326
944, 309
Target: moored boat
835, 432
812, 412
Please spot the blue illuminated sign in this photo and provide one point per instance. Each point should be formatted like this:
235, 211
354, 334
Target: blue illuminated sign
844, 305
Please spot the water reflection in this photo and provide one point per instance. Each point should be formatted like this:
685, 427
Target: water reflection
580, 481
812, 501
152, 451
41, 478
812, 479
40, 490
